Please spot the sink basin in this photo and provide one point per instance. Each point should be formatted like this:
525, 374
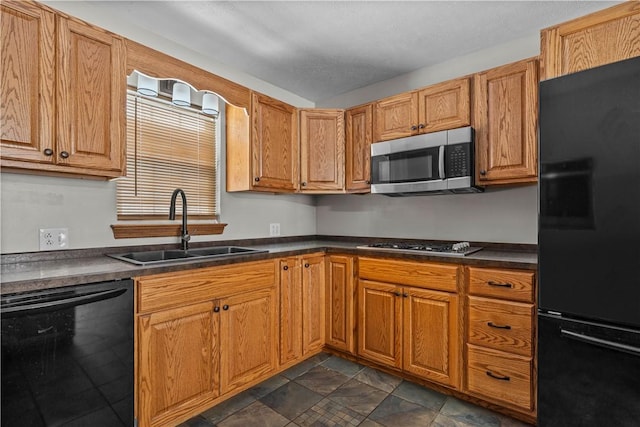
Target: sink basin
221, 250
175, 255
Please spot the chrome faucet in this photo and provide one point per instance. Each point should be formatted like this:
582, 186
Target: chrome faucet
172, 215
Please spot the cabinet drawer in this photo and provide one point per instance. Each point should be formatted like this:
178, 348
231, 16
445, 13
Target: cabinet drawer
508, 284
500, 376
502, 325
421, 274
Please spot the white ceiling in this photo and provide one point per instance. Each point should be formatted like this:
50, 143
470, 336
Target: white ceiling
319, 49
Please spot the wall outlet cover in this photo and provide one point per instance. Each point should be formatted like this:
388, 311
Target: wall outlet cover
53, 239
274, 229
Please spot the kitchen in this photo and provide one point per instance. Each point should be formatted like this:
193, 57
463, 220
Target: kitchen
87, 207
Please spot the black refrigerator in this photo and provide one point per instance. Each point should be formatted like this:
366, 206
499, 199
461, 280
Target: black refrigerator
589, 248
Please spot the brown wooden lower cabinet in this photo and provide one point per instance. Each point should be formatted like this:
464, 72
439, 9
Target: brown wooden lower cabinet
190, 352
204, 335
340, 293
408, 327
500, 345
302, 306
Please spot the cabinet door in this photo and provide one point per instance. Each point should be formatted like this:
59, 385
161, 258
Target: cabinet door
444, 106
379, 326
91, 97
431, 337
603, 37
505, 116
340, 303
290, 310
396, 116
27, 87
321, 150
177, 369
358, 132
274, 145
248, 337
313, 303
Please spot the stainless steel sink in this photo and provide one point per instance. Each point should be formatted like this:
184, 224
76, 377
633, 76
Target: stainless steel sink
176, 255
221, 250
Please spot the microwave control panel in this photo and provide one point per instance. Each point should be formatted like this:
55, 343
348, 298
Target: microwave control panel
458, 160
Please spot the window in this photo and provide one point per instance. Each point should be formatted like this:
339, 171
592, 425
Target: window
168, 147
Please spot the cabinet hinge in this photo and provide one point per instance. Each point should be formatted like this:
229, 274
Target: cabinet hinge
135, 422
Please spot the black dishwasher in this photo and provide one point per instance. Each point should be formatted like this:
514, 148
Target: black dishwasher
67, 356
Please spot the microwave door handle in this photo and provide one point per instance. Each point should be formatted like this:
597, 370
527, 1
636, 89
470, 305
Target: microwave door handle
441, 162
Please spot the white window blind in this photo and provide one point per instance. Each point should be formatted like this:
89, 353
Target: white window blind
168, 147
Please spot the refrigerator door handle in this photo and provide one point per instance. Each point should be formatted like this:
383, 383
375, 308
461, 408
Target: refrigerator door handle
600, 342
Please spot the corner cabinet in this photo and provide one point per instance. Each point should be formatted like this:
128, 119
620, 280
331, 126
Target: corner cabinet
600, 38
358, 139
505, 122
302, 296
340, 295
321, 151
201, 335
408, 318
63, 94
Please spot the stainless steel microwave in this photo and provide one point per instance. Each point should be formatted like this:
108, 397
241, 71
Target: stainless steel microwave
432, 163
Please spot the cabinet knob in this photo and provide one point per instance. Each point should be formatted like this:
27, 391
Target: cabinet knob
367, 182
306, 265
421, 126
285, 268
304, 184
414, 127
483, 172
397, 294
64, 154
48, 152
216, 309
225, 307
256, 179
405, 295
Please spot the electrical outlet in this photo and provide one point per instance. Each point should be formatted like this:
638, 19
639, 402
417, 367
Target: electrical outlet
53, 239
274, 229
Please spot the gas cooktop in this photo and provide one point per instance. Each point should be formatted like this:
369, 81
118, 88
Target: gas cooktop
445, 249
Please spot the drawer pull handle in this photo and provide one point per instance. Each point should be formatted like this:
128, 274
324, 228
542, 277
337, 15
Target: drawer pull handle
498, 377
493, 325
501, 285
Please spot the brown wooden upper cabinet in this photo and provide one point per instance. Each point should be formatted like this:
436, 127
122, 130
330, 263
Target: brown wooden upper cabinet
358, 139
505, 121
63, 93
262, 149
441, 106
606, 36
321, 150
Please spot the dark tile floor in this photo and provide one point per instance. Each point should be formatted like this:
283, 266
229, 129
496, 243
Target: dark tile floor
330, 391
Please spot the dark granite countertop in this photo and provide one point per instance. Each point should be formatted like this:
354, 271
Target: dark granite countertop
42, 270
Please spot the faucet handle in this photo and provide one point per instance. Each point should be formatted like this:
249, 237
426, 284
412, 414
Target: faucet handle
186, 237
